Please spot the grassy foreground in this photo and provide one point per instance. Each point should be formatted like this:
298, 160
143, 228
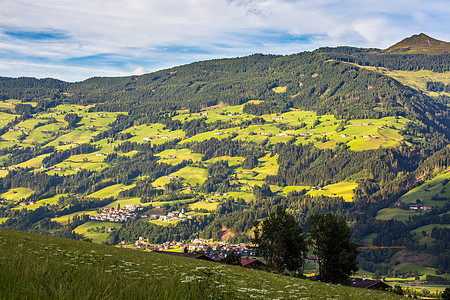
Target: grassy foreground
41, 267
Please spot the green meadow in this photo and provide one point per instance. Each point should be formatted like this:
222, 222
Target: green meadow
162, 223
342, 189
82, 229
395, 213
150, 131
415, 79
192, 175
17, 194
429, 189
111, 191
97, 237
43, 267
419, 237
208, 205
176, 156
232, 160
246, 196
68, 218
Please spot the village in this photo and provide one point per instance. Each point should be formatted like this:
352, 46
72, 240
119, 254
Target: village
214, 250
118, 214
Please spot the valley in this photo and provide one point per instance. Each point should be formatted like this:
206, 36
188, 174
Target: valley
204, 150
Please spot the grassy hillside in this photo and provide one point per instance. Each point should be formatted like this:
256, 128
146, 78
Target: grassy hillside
41, 267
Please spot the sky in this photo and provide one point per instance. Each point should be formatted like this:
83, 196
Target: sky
75, 40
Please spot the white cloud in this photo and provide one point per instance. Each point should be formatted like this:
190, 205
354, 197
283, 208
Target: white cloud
152, 34
139, 71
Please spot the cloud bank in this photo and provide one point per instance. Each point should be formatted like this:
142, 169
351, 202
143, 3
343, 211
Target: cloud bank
74, 40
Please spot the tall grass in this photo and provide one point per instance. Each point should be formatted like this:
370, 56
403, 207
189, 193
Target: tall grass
42, 267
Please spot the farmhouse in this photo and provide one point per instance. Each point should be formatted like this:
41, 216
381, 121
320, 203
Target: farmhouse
252, 263
277, 118
365, 283
414, 207
427, 207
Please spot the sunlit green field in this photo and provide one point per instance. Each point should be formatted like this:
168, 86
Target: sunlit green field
161, 223
232, 160
415, 79
342, 189
17, 194
429, 189
49, 201
68, 218
192, 175
395, 213
246, 196
97, 237
150, 131
205, 205
167, 156
111, 191
82, 229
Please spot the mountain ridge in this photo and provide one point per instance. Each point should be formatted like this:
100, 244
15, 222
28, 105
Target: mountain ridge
419, 44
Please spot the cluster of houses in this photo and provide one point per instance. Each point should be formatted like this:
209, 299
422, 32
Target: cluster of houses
200, 114
101, 115
17, 128
361, 124
264, 133
164, 137
414, 206
172, 177
27, 203
423, 207
316, 188
305, 133
53, 168
172, 216
212, 249
68, 143
118, 214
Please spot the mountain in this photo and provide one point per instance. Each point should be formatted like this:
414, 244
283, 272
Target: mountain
227, 140
420, 44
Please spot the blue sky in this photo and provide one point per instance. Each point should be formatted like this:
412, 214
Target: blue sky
74, 40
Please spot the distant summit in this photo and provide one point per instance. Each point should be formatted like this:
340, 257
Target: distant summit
419, 44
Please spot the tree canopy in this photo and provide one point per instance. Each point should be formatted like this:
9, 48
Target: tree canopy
281, 241
335, 252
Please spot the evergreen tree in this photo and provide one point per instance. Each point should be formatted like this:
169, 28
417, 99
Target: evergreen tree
281, 241
336, 253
